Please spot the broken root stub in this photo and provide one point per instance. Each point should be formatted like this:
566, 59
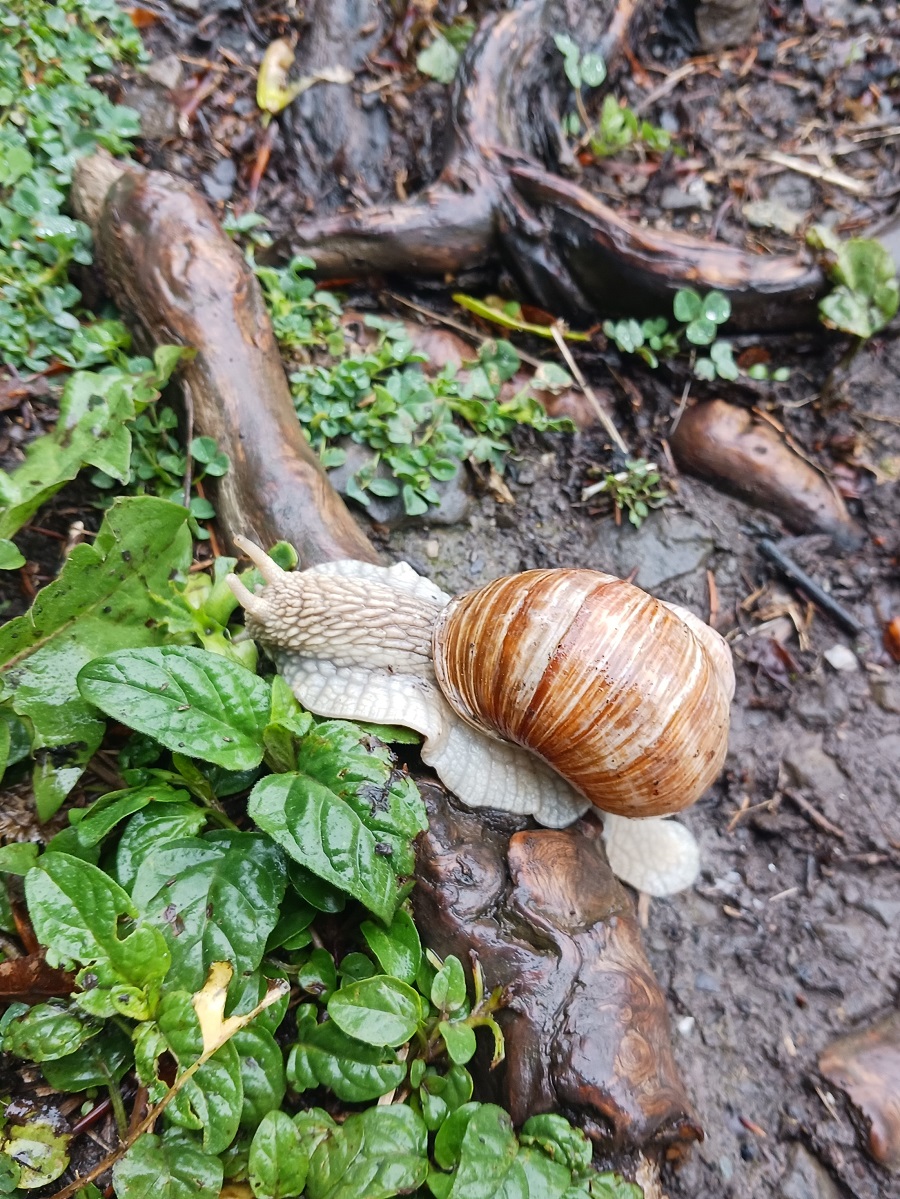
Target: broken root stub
585, 1022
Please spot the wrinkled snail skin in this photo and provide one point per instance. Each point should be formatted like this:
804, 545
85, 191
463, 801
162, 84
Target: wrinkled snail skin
356, 641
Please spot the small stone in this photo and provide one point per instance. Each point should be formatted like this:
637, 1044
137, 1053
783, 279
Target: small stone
840, 657
676, 199
685, 1025
167, 71
432, 548
771, 214
806, 1177
810, 768
219, 183
886, 693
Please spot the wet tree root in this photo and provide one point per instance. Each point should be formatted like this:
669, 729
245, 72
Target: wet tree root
500, 193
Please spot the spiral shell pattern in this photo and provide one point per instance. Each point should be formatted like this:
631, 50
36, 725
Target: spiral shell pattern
612, 688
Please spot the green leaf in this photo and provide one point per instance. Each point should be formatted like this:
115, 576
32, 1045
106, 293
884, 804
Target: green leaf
687, 305
716, 307
99, 1062
77, 911
18, 857
279, 1160
47, 1031
560, 1140
533, 1175
323, 1055
11, 558
480, 1137
397, 948
460, 1041
37, 1149
379, 1011
438, 61
318, 975
613, 1186
151, 829
159, 1168
98, 821
701, 332
213, 899
374, 1154
262, 1073
448, 991
190, 700
323, 833
102, 600
593, 70
440, 1094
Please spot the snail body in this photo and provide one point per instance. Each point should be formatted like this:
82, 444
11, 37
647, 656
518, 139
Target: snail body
541, 693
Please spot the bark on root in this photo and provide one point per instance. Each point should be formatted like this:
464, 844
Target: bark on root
177, 278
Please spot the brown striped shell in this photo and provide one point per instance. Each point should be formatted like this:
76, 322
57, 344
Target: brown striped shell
624, 697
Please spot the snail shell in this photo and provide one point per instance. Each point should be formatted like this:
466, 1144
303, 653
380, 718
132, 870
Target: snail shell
623, 696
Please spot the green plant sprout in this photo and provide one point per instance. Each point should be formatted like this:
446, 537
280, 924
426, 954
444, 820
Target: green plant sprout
618, 127
634, 490
866, 294
700, 319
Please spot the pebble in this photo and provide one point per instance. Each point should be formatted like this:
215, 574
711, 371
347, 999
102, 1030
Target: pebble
432, 548
840, 657
167, 71
886, 693
806, 1178
810, 768
219, 183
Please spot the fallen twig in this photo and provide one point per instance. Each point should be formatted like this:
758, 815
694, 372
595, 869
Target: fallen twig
602, 415
814, 814
819, 597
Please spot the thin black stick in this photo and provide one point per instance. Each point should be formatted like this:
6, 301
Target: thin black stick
812, 589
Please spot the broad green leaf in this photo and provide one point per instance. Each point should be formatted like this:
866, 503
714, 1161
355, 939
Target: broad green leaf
609, 1185
212, 1100
76, 911
379, 1011
213, 899
593, 70
460, 1041
18, 857
559, 1140
397, 948
323, 833
11, 558
91, 431
480, 1138
440, 1094
374, 1154
104, 1059
701, 332
47, 1031
279, 1160
315, 1125
324, 1056
262, 1073
151, 829
534, 1176
104, 599
192, 701
98, 821
157, 1168
448, 991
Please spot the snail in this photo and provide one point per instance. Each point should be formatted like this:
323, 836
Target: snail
541, 693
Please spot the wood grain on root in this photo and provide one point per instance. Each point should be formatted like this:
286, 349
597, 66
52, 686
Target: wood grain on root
177, 278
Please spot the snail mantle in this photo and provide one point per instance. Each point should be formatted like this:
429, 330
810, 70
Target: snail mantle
540, 694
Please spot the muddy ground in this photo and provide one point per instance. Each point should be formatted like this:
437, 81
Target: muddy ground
792, 935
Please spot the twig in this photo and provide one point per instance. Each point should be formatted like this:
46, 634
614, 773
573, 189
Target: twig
686, 391
668, 84
815, 815
602, 415
457, 325
812, 589
189, 437
827, 174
